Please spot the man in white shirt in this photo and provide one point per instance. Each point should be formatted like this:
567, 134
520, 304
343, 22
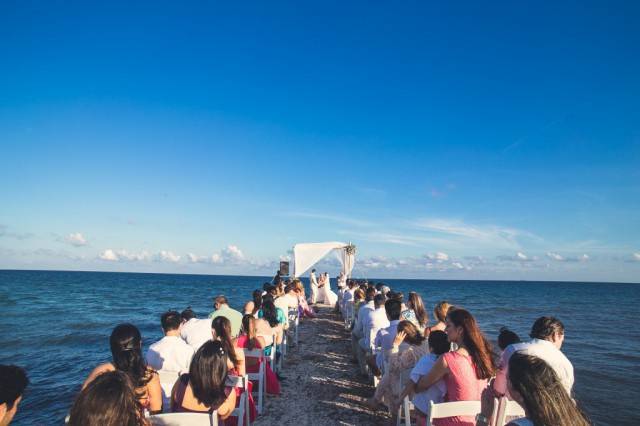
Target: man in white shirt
313, 283
385, 337
547, 336
358, 329
373, 322
195, 331
287, 301
347, 297
170, 353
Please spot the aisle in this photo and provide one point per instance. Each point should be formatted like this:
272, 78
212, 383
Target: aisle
322, 386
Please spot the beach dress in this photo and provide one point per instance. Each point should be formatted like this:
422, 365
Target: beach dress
398, 362
272, 384
462, 385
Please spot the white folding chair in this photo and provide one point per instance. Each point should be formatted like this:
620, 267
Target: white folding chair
167, 380
260, 377
283, 350
272, 354
184, 419
348, 314
242, 409
404, 411
452, 409
294, 320
504, 408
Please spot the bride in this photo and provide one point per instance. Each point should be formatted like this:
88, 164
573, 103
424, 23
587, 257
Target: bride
325, 294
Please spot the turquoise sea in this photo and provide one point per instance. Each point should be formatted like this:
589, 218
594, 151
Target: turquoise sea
57, 326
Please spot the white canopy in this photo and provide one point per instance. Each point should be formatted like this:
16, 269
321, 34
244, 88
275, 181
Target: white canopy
308, 254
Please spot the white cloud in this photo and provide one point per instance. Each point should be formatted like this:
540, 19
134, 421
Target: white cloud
123, 256
555, 256
518, 257
108, 255
461, 233
636, 257
228, 255
76, 239
438, 257
167, 256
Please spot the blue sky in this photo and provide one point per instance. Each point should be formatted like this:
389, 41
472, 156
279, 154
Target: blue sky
445, 140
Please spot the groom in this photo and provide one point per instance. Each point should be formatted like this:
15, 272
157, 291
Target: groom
314, 287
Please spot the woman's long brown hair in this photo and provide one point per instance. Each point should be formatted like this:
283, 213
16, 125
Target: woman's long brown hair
546, 401
474, 341
222, 326
418, 308
249, 328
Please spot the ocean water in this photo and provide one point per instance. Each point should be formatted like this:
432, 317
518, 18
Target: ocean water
57, 326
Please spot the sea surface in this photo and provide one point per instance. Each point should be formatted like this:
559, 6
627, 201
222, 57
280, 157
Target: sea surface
57, 326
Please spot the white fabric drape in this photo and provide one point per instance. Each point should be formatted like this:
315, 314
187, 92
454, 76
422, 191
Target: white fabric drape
308, 254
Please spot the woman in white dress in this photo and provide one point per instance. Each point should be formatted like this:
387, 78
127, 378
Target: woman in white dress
326, 295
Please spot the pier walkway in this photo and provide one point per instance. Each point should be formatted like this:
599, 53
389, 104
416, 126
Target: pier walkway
322, 385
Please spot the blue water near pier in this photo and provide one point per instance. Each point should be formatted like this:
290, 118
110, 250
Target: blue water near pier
57, 326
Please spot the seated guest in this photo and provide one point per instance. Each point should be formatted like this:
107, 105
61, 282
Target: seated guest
126, 350
203, 390
287, 301
194, 331
347, 296
415, 312
506, 338
438, 345
13, 382
357, 333
109, 400
359, 299
535, 385
303, 306
373, 322
440, 313
222, 308
275, 318
399, 360
466, 370
170, 353
385, 337
221, 331
547, 336
249, 339
257, 302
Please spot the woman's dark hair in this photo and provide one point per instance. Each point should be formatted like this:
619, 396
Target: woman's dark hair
546, 327
475, 342
222, 326
257, 300
126, 349
109, 400
14, 381
507, 337
208, 373
439, 342
545, 399
415, 303
187, 314
269, 312
414, 337
249, 330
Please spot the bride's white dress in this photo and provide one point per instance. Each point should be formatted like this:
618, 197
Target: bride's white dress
326, 295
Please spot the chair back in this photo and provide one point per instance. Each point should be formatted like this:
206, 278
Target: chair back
184, 419
167, 380
504, 408
453, 409
260, 377
241, 412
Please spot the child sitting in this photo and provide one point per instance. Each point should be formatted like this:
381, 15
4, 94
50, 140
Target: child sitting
438, 344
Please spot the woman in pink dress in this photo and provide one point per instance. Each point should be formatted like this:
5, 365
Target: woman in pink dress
466, 370
250, 340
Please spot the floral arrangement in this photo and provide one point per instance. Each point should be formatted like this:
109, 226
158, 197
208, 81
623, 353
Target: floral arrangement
350, 249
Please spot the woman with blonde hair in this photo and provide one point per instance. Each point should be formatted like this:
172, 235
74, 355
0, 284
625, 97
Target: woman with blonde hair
415, 312
440, 313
